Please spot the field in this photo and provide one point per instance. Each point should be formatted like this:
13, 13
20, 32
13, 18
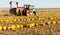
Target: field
44, 23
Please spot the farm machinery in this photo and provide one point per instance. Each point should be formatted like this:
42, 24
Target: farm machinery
25, 10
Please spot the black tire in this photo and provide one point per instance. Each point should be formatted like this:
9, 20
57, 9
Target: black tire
34, 12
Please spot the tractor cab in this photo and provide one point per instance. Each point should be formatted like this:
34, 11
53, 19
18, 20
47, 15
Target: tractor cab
27, 6
31, 8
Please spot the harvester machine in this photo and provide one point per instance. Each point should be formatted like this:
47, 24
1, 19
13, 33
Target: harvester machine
22, 11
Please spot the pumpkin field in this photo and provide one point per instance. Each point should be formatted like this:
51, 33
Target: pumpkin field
44, 23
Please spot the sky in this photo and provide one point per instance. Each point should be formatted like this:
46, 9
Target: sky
37, 3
